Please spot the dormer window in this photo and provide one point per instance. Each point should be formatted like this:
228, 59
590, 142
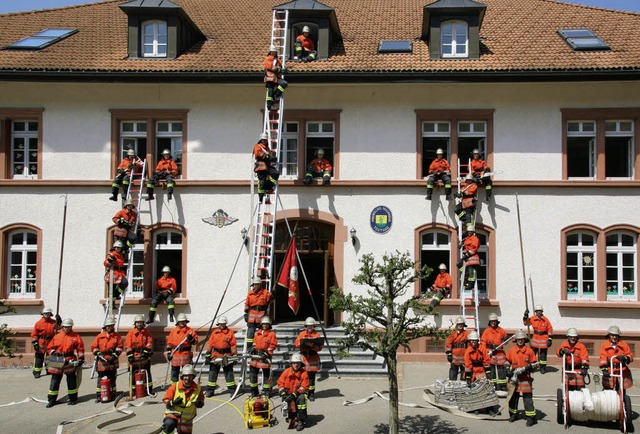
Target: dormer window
154, 38
455, 39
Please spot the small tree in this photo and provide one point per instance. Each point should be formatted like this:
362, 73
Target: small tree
393, 318
7, 345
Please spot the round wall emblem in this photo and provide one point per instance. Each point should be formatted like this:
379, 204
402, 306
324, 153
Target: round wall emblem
381, 219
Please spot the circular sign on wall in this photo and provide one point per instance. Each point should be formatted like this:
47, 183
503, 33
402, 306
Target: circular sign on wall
381, 219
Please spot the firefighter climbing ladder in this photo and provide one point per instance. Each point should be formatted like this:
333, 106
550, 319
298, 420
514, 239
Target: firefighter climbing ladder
469, 303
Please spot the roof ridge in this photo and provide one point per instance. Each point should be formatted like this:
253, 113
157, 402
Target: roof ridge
35, 11
579, 5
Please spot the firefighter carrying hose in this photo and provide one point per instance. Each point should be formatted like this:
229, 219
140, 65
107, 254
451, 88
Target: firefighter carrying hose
439, 169
571, 347
619, 351
264, 344
293, 385
106, 348
542, 334
182, 399
222, 344
455, 348
166, 288
180, 343
129, 164
521, 356
138, 345
43, 331
442, 285
493, 336
308, 344
67, 349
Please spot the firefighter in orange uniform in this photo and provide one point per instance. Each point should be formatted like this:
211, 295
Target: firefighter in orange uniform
480, 170
542, 335
106, 348
166, 287
613, 349
265, 166
317, 167
115, 260
307, 344
493, 336
222, 344
455, 348
66, 346
180, 343
442, 285
264, 344
43, 331
123, 175
138, 345
476, 360
182, 399
305, 47
293, 385
125, 221
466, 209
521, 356
273, 80
166, 169
439, 169
470, 258
575, 356
255, 307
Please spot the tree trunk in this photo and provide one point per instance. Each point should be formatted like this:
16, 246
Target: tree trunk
394, 416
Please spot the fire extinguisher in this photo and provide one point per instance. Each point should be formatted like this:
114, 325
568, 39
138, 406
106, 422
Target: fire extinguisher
105, 389
141, 387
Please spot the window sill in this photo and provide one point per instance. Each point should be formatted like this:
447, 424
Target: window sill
23, 301
145, 301
456, 302
587, 304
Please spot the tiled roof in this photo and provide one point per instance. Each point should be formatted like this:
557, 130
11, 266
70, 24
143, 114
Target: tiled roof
518, 37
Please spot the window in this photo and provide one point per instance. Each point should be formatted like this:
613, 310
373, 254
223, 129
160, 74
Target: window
41, 39
455, 39
393, 47
136, 286
581, 149
580, 260
458, 133
313, 129
154, 39
435, 249
149, 132
621, 266
583, 39
24, 149
618, 148
22, 264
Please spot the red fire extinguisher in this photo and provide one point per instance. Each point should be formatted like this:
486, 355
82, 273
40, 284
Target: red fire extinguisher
141, 386
105, 389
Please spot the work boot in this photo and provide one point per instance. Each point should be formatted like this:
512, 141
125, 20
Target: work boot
51, 404
114, 194
36, 375
543, 369
260, 197
209, 393
448, 197
513, 417
73, 402
292, 423
170, 195
149, 196
311, 396
488, 197
98, 398
326, 181
171, 318
531, 421
300, 426
428, 195
254, 392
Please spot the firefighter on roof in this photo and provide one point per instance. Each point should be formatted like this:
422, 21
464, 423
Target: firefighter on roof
481, 170
273, 80
439, 169
470, 258
255, 307
180, 345
455, 348
442, 285
521, 356
115, 260
123, 174
67, 349
575, 356
167, 169
318, 167
106, 348
264, 344
613, 349
182, 399
266, 167
542, 334
466, 209
166, 288
492, 337
305, 47
293, 385
43, 331
138, 346
307, 344
125, 221
222, 344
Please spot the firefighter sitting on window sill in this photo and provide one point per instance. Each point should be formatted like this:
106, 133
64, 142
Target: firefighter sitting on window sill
318, 167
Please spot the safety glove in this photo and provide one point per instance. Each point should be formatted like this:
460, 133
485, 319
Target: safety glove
176, 401
449, 357
199, 404
36, 345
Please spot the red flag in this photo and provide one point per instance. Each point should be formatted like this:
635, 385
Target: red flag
289, 276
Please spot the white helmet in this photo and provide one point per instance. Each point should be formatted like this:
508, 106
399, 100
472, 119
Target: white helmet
67, 322
264, 136
166, 269
166, 152
310, 321
572, 332
47, 310
118, 243
476, 151
222, 320
439, 151
320, 152
493, 317
469, 177
188, 370
473, 336
461, 320
538, 308
138, 318
256, 281
272, 48
265, 320
131, 153
613, 330
442, 267
128, 202
109, 321
520, 335
181, 317
296, 358
305, 29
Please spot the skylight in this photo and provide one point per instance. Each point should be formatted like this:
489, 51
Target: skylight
41, 40
583, 39
395, 47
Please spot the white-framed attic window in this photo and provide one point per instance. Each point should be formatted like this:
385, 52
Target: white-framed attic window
154, 38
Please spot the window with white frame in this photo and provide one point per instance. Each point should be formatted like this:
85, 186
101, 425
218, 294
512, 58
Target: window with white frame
23, 261
482, 270
581, 265
320, 135
154, 38
455, 39
169, 136
618, 149
168, 252
471, 135
435, 135
289, 151
136, 286
133, 135
435, 249
581, 149
621, 266
24, 149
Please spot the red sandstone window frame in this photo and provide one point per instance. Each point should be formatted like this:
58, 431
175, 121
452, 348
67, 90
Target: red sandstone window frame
7, 117
5, 232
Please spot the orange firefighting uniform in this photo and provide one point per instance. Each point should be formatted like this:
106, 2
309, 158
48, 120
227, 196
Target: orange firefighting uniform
476, 362
255, 307
178, 340
119, 270
520, 357
607, 352
310, 356
266, 172
71, 347
295, 383
491, 338
180, 417
542, 336
221, 343
42, 333
265, 341
138, 345
580, 361
129, 216
456, 346
106, 347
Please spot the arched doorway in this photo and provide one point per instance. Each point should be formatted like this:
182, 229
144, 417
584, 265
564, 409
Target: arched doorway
315, 243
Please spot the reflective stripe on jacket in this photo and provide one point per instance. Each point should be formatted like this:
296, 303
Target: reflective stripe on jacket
457, 343
104, 343
518, 358
492, 338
